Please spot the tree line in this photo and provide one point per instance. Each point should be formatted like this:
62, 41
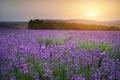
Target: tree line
60, 25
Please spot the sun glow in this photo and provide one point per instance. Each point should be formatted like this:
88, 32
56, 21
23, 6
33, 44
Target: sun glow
91, 14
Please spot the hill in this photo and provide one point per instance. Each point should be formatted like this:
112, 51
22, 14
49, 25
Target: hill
13, 25
68, 25
84, 21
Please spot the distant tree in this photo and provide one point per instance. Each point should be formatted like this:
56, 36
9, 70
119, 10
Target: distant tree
30, 23
35, 24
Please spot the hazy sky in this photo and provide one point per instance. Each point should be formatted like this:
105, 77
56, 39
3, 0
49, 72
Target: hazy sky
12, 10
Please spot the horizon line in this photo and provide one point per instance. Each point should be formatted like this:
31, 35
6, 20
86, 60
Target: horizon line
57, 19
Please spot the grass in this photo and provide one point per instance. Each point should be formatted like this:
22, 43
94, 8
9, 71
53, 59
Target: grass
50, 41
87, 45
93, 45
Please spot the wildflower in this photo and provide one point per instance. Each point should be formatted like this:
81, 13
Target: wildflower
11, 78
43, 46
78, 78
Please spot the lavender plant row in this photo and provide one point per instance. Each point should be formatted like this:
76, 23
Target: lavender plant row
59, 55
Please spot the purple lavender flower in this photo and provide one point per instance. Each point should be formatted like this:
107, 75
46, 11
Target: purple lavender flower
11, 78
21, 53
36, 76
78, 78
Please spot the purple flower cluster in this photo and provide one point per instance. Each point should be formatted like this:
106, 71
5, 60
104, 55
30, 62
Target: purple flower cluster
59, 55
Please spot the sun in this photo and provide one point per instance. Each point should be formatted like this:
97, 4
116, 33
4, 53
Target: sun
91, 14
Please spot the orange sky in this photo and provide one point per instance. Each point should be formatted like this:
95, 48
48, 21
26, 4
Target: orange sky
12, 10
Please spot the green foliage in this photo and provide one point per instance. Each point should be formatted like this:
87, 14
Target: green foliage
40, 41
116, 55
58, 41
92, 45
87, 45
108, 48
104, 46
50, 41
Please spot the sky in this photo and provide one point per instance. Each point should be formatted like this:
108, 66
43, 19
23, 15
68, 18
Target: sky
24, 10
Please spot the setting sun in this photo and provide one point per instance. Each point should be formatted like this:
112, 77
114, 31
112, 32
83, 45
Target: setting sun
91, 14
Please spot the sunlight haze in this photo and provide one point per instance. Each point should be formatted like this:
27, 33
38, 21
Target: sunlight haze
24, 10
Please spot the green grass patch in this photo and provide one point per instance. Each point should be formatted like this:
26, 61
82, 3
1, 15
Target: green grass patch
50, 41
87, 45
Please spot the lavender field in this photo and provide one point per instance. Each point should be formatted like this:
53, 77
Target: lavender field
59, 55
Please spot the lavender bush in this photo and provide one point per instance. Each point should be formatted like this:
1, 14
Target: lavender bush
59, 55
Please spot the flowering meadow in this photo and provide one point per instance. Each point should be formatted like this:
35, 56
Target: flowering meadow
59, 55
